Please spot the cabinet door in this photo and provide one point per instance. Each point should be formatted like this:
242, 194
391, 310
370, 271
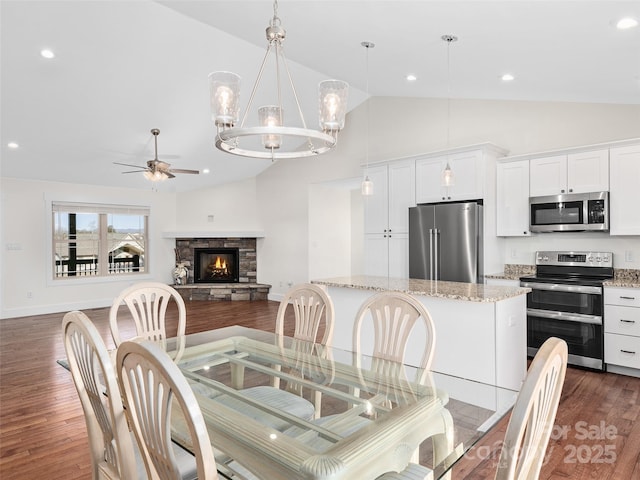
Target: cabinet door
588, 171
429, 179
624, 214
548, 176
402, 195
399, 255
376, 206
376, 254
468, 174
512, 199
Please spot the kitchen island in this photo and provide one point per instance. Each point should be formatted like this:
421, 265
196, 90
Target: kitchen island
481, 330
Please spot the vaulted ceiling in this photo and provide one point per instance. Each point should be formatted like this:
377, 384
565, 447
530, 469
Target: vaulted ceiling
122, 68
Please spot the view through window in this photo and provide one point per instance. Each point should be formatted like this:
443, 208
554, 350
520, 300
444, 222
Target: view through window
99, 240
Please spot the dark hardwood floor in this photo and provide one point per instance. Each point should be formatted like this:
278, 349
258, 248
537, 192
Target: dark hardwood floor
42, 429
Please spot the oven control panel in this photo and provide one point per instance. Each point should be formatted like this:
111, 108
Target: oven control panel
572, 259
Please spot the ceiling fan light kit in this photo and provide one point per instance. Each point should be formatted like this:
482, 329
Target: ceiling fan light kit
269, 138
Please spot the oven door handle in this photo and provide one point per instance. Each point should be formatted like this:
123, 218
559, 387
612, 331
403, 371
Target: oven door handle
570, 317
559, 287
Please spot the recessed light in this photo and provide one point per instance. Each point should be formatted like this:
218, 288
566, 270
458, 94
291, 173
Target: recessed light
46, 53
205, 170
507, 77
13, 145
626, 22
411, 78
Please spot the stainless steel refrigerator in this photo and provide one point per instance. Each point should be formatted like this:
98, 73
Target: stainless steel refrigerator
445, 242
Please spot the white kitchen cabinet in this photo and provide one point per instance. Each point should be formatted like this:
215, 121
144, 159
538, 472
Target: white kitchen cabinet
468, 170
387, 255
512, 199
622, 330
624, 214
376, 206
579, 172
387, 218
402, 194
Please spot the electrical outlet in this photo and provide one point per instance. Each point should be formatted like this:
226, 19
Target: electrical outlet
628, 256
210, 218
29, 294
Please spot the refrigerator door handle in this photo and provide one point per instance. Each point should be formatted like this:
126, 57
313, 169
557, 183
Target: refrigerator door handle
431, 239
436, 254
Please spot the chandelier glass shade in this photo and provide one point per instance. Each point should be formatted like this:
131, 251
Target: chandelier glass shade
271, 138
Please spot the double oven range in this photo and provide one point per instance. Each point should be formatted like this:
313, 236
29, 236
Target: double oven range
566, 301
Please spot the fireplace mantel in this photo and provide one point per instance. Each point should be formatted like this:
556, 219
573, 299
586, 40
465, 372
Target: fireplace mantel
222, 234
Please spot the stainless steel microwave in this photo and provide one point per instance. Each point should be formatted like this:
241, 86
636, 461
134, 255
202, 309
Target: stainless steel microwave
569, 213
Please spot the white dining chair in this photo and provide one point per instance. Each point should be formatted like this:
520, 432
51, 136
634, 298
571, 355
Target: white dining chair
154, 389
393, 316
313, 309
147, 302
534, 413
531, 421
112, 451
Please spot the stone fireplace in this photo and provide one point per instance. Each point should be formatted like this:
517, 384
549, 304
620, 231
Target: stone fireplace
220, 269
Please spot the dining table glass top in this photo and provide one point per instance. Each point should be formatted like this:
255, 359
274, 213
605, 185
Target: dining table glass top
364, 416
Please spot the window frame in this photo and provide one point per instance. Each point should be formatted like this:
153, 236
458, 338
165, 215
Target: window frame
103, 210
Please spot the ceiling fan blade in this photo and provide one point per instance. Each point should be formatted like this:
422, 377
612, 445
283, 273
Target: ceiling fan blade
169, 174
182, 170
129, 165
135, 171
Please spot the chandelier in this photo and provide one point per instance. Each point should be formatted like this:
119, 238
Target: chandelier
271, 138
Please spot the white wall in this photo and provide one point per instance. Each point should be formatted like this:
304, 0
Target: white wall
521, 250
233, 206
26, 242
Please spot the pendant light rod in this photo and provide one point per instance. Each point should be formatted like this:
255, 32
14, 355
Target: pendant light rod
367, 184
447, 174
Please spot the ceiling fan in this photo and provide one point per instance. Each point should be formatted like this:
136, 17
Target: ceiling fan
157, 170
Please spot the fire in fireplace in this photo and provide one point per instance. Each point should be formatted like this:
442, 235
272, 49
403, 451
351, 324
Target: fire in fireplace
216, 265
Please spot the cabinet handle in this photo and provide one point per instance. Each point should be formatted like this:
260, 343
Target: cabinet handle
628, 351
524, 233
562, 191
627, 298
570, 190
443, 198
627, 321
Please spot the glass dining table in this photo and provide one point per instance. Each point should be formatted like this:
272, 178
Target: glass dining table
369, 417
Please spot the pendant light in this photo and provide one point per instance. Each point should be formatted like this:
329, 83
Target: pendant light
448, 178
367, 184
272, 139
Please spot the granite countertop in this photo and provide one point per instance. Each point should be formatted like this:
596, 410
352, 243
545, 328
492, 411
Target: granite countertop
514, 272
471, 292
624, 277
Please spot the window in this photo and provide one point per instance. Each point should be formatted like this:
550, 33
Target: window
99, 240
